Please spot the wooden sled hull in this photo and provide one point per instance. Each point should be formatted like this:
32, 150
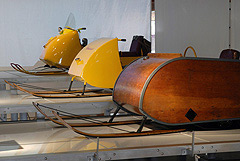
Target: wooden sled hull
181, 90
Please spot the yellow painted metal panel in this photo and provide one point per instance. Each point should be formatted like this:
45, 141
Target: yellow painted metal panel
98, 63
62, 49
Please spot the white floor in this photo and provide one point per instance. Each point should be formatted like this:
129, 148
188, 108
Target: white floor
46, 137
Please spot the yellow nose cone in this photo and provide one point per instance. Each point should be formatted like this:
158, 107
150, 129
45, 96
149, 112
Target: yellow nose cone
98, 63
61, 50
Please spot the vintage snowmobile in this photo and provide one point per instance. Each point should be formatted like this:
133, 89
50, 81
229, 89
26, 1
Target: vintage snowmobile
175, 92
98, 64
59, 51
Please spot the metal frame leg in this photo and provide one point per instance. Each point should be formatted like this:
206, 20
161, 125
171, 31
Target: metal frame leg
70, 86
114, 114
142, 124
84, 87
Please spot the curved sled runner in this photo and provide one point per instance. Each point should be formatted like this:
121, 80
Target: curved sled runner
60, 121
63, 94
84, 117
19, 68
128, 134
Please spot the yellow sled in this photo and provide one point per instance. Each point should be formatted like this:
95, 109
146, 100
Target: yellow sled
59, 51
98, 64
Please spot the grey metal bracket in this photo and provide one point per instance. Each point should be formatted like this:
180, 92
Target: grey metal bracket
95, 156
192, 150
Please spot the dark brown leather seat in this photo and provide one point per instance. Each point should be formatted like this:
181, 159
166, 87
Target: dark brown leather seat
139, 47
229, 54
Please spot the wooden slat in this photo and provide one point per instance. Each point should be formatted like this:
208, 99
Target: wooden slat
19, 68
52, 94
111, 135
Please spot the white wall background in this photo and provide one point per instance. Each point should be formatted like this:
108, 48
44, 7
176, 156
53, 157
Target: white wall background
235, 24
26, 25
202, 24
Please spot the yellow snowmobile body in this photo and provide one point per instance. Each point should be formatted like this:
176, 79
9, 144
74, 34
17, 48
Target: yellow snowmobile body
62, 49
98, 64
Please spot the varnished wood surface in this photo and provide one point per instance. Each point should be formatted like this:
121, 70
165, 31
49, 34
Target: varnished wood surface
129, 85
209, 87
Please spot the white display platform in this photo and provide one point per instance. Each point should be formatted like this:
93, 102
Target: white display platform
43, 140
15, 101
